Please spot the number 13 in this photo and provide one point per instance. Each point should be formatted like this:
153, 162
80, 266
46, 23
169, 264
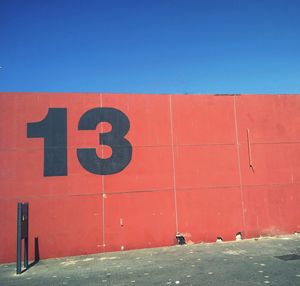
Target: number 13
53, 128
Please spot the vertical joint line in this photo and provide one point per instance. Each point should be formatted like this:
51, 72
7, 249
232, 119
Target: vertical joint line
173, 162
102, 183
239, 163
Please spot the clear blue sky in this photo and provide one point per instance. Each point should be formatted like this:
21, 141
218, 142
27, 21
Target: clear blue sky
165, 46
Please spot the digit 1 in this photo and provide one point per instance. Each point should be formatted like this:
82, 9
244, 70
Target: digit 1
53, 128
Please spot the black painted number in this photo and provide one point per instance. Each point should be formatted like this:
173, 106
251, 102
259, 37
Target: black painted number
53, 128
121, 148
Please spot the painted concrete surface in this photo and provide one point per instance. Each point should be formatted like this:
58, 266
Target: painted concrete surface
246, 262
105, 172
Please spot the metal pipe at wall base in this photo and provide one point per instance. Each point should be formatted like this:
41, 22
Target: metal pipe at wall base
22, 233
19, 240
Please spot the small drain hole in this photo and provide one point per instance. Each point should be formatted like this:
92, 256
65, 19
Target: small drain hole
238, 236
180, 239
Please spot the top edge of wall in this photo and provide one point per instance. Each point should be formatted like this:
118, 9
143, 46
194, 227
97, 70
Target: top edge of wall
152, 94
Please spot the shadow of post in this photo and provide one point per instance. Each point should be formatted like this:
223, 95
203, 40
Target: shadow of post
36, 255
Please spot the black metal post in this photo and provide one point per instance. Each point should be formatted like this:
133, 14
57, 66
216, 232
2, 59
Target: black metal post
22, 233
26, 253
26, 219
19, 239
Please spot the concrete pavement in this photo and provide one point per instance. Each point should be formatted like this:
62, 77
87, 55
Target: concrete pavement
264, 261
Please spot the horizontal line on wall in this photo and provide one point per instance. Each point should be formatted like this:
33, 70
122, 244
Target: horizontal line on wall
156, 146
149, 191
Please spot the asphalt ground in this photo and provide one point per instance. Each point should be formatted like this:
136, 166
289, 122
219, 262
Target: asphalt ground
264, 261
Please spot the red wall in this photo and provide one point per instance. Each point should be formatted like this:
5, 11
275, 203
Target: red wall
189, 172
